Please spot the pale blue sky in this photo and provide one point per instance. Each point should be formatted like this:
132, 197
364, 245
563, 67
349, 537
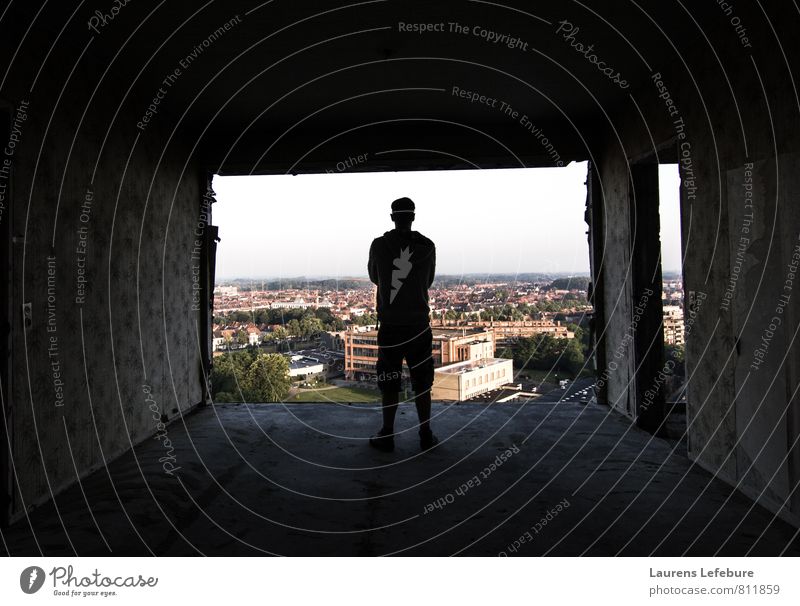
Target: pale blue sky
669, 183
482, 221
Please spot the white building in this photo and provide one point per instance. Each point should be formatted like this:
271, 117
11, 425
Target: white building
227, 291
254, 336
303, 366
673, 325
463, 380
300, 303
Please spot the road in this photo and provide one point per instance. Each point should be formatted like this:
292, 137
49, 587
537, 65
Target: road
579, 390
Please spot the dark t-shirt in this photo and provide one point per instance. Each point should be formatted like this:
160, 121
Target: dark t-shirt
402, 265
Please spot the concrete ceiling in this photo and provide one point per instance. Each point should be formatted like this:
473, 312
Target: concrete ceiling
300, 86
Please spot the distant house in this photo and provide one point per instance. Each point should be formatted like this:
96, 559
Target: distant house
253, 335
227, 291
217, 340
224, 338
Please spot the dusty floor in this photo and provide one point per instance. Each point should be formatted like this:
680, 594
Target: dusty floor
301, 480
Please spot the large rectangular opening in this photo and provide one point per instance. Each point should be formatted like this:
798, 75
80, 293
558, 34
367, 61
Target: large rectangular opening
294, 310
292, 289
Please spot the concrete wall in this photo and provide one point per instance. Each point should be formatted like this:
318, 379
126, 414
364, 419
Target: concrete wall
615, 262
93, 194
743, 423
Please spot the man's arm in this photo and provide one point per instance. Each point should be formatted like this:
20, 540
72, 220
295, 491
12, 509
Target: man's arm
372, 269
433, 267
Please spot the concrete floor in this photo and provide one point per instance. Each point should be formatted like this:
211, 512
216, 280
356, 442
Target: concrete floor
301, 480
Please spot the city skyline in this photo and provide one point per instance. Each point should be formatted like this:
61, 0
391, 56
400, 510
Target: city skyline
517, 221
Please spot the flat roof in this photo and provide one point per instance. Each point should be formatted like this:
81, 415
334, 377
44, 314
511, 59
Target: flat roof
454, 331
470, 365
304, 362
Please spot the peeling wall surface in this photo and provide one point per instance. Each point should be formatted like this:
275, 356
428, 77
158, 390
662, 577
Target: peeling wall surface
104, 220
740, 225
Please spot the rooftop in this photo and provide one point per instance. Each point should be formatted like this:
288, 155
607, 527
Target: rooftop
458, 332
458, 368
296, 362
299, 479
446, 333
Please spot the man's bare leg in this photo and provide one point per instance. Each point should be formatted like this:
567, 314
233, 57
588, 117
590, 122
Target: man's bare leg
390, 402
423, 401
384, 439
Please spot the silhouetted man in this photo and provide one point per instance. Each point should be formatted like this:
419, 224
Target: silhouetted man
402, 264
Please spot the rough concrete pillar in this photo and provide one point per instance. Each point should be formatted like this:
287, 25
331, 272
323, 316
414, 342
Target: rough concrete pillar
596, 295
647, 319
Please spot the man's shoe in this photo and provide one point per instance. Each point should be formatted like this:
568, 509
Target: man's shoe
427, 440
383, 441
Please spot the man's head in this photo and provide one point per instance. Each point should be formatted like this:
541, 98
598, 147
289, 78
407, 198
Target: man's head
403, 213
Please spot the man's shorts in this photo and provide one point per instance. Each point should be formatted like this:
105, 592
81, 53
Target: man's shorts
414, 343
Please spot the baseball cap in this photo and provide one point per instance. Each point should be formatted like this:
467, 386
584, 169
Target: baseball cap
403, 205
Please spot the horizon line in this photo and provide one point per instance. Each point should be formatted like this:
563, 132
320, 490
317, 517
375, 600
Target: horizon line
566, 274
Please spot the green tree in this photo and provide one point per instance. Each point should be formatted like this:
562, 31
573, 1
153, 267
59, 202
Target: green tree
573, 283
571, 358
543, 352
677, 354
241, 337
293, 328
581, 335
280, 334
309, 326
324, 314
267, 379
240, 316
365, 319
228, 372
223, 376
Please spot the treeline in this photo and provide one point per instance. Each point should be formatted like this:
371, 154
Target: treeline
543, 352
298, 322
572, 283
511, 279
249, 376
508, 311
